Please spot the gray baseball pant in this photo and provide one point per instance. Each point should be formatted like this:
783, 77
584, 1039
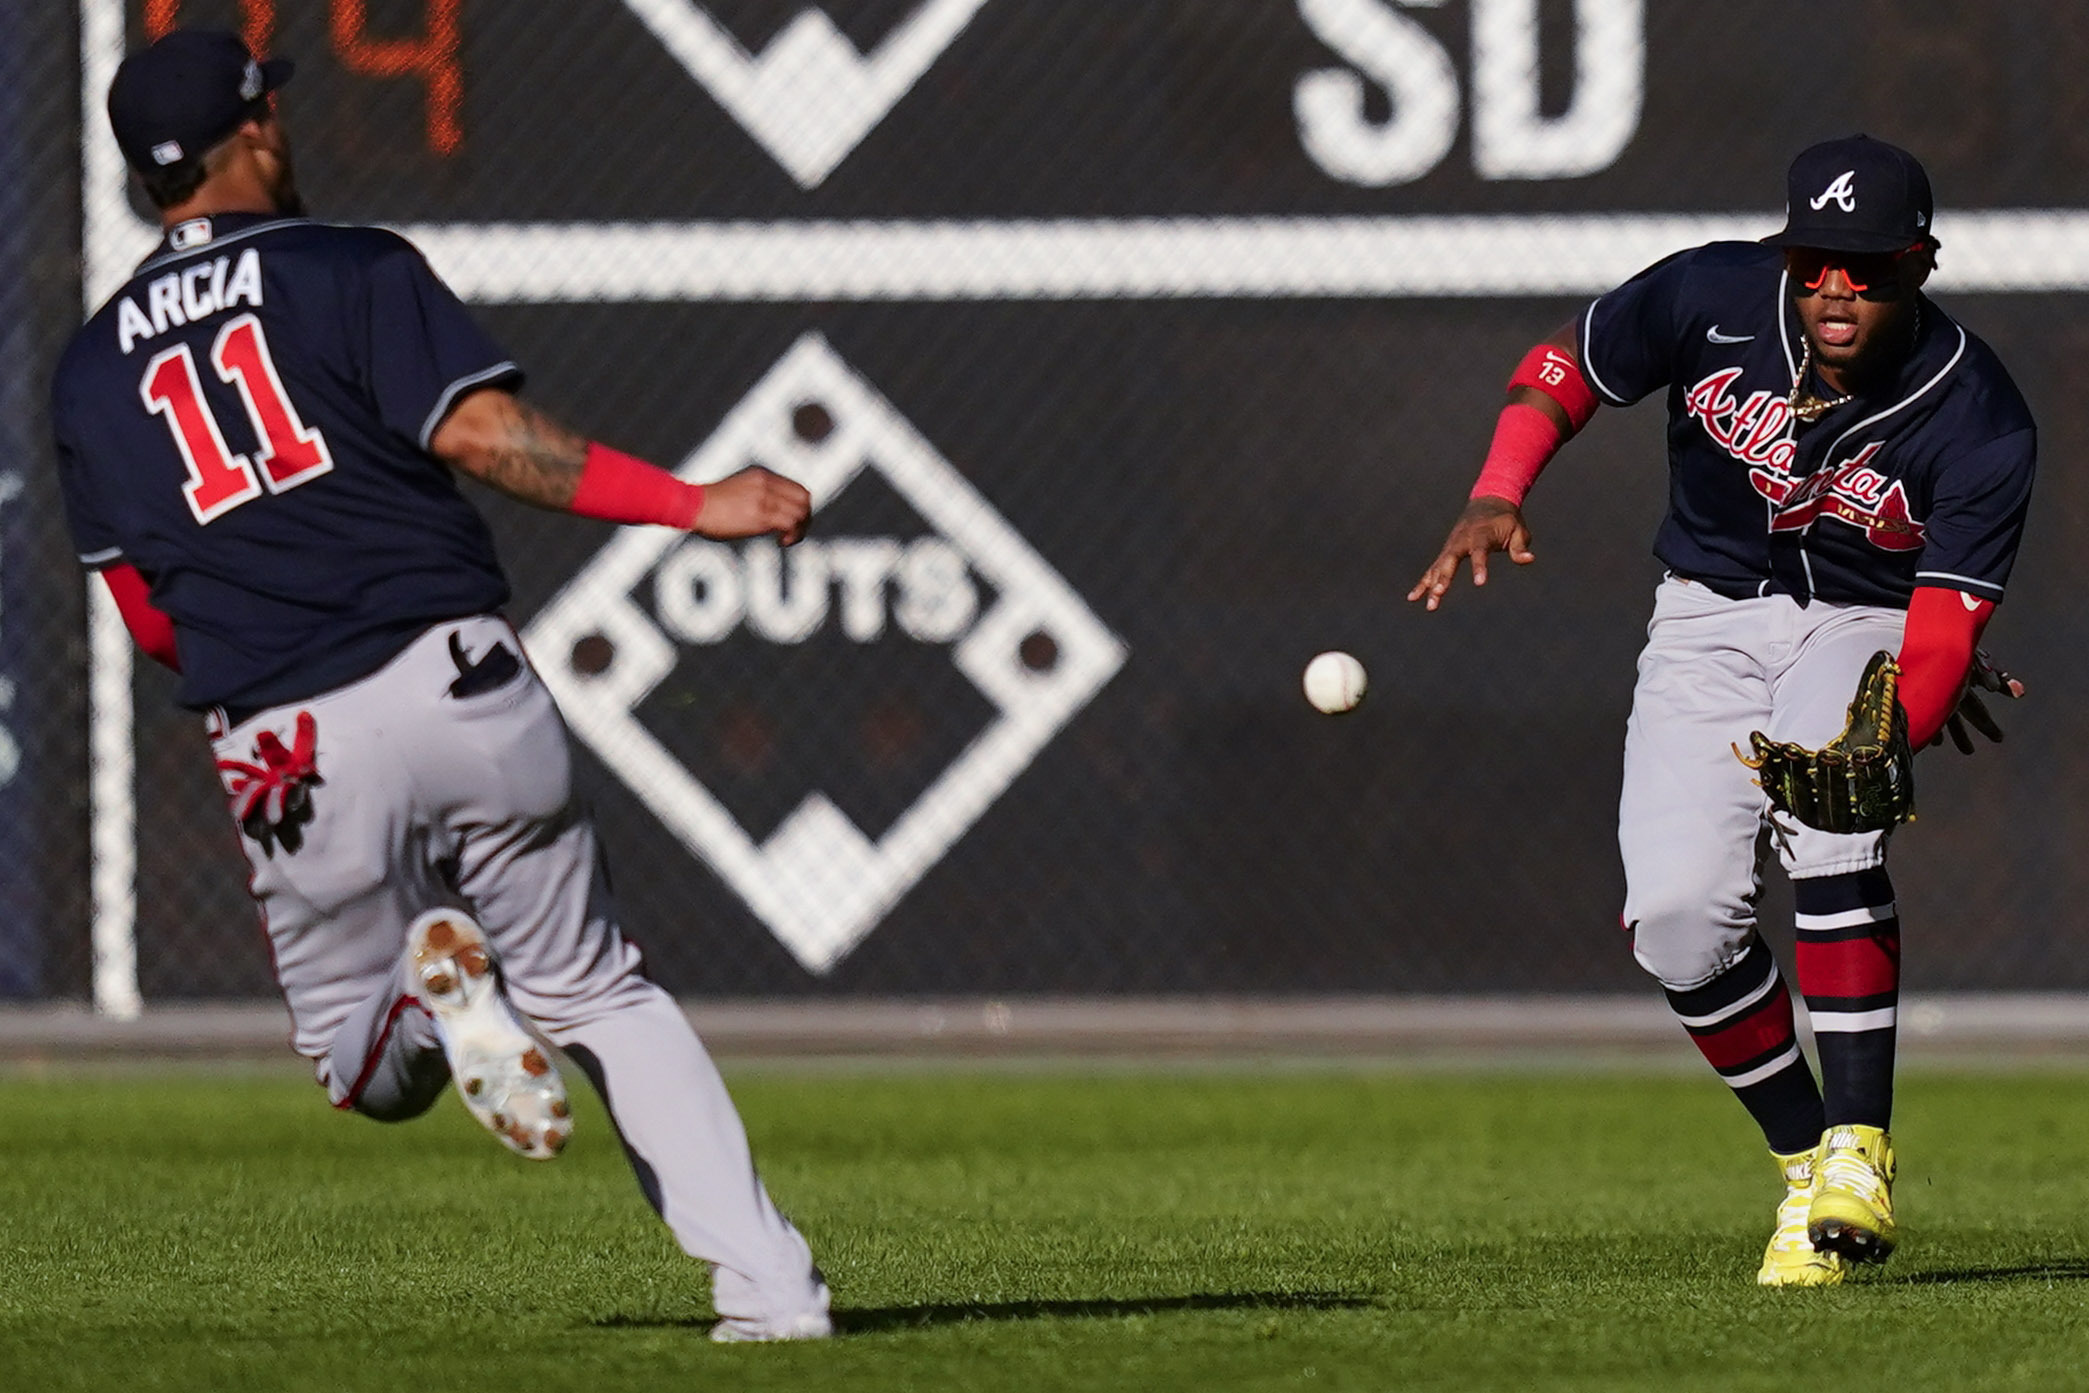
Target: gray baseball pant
429, 798
1692, 822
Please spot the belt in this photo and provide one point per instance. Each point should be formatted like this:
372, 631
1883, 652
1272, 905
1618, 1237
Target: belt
1729, 589
489, 671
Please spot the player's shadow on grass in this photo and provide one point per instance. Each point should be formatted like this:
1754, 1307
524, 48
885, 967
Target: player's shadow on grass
2058, 1270
877, 1318
873, 1319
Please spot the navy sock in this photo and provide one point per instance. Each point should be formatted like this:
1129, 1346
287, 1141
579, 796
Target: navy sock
1849, 971
1741, 1021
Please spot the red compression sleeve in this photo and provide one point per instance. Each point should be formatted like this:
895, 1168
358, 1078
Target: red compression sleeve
617, 487
148, 623
1525, 439
1936, 653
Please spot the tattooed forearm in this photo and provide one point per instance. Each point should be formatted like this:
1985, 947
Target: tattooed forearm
533, 457
511, 446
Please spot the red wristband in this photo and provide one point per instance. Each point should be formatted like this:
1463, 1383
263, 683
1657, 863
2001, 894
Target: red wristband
1555, 373
617, 487
1525, 438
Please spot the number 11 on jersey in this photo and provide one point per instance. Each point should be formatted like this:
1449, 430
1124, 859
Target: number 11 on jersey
219, 481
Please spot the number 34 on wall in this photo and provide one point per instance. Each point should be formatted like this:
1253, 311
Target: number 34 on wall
1511, 137
434, 56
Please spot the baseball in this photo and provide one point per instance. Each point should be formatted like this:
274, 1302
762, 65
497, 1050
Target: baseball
1334, 682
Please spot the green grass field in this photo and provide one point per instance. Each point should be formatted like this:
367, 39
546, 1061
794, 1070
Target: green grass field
1030, 1230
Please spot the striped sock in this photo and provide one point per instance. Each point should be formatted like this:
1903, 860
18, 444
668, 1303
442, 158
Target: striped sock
1849, 971
1741, 1021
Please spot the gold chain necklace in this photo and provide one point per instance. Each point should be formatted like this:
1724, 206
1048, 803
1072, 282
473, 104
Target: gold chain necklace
1805, 403
1808, 405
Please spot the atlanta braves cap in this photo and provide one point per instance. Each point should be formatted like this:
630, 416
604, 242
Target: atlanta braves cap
1855, 195
184, 94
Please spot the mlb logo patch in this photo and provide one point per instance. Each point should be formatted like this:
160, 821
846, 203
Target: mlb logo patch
166, 152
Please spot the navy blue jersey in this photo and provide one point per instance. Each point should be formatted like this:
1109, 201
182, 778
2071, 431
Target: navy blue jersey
247, 423
1923, 480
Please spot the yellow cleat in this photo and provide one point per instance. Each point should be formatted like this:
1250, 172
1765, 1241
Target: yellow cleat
1791, 1259
1852, 1211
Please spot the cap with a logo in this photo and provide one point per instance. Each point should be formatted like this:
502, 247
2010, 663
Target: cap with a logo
1855, 195
174, 100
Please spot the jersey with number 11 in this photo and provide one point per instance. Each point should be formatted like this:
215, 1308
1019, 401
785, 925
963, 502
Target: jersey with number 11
247, 422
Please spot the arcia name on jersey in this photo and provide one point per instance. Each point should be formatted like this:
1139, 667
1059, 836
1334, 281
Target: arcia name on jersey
188, 294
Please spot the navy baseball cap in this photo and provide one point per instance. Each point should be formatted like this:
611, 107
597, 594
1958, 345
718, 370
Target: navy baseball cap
1855, 195
184, 94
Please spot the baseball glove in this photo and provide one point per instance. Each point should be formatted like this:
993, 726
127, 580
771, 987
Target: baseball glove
1861, 781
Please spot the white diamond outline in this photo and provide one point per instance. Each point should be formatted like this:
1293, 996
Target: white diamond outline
821, 923
809, 98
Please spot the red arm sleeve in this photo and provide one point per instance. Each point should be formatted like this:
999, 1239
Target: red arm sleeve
1525, 438
148, 624
1936, 653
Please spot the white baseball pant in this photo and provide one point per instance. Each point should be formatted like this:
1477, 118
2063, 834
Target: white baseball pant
1692, 821
429, 798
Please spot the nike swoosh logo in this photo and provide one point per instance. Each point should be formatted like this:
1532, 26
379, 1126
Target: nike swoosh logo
1712, 335
1972, 605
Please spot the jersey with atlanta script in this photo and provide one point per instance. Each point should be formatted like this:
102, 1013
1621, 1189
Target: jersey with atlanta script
247, 422
1921, 480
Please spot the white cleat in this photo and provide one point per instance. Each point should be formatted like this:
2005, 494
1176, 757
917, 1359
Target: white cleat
811, 1325
814, 1324
502, 1073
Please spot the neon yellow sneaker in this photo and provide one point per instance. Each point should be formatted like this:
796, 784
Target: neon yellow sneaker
1852, 1210
1791, 1259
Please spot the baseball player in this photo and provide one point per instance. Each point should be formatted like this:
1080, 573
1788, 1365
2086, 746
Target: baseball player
1849, 470
257, 438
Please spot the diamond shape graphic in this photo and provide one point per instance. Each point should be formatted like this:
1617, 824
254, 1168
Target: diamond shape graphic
819, 883
810, 97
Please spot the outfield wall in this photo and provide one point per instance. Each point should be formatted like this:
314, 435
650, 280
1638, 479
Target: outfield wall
20, 943
1135, 352
43, 656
